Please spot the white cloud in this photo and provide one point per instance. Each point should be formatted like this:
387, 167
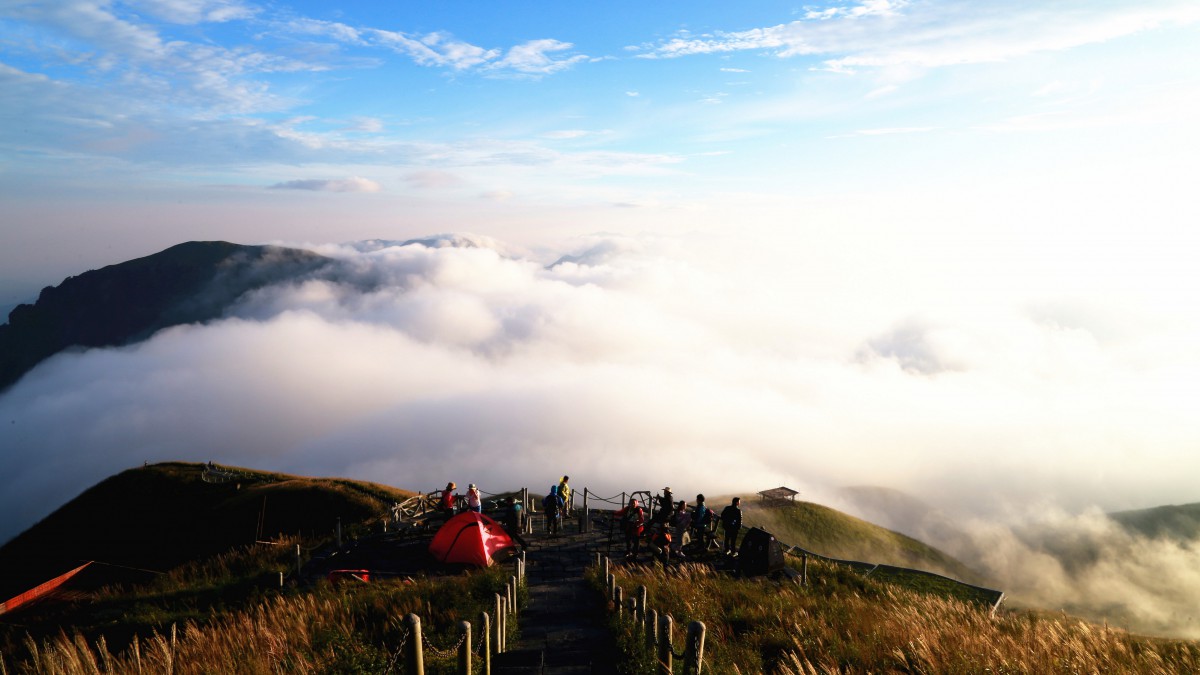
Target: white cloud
352, 184
194, 11
927, 35
534, 58
430, 179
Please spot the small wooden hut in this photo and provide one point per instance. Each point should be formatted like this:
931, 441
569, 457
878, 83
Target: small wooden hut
778, 495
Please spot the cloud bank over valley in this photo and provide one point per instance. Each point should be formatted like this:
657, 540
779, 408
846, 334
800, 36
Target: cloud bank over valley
710, 364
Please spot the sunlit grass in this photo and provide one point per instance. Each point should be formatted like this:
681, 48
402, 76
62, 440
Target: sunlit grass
845, 623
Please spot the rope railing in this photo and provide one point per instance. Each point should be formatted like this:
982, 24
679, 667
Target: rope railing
658, 630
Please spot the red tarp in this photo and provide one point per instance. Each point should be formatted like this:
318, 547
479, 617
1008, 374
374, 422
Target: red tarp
41, 590
470, 538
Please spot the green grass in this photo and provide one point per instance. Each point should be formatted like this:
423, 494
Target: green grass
834, 534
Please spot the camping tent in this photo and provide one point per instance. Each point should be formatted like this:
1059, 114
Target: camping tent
470, 538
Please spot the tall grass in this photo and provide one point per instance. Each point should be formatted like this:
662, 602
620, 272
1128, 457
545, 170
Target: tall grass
326, 629
844, 623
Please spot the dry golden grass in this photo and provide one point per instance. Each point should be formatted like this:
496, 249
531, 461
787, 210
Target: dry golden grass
844, 623
344, 629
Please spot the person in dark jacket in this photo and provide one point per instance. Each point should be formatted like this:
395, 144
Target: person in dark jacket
731, 521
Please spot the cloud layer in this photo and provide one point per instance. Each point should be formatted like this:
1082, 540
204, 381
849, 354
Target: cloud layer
629, 363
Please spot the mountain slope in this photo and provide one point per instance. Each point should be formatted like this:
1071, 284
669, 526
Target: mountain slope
161, 516
1177, 522
834, 534
123, 303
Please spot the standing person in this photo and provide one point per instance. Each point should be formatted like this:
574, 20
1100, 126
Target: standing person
564, 491
552, 506
513, 517
474, 502
665, 508
682, 521
702, 522
731, 520
446, 505
633, 521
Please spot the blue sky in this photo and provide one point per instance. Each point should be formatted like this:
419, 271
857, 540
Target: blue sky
129, 126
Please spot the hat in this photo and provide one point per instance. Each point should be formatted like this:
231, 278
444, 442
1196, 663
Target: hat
471, 486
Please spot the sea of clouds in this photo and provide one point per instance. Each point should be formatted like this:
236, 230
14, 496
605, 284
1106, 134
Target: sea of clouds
710, 365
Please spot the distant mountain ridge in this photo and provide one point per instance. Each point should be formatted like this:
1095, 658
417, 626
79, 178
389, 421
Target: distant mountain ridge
123, 303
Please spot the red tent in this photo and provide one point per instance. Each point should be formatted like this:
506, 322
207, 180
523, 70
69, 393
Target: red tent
470, 538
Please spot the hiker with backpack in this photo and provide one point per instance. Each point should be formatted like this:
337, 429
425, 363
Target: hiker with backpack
633, 522
731, 521
552, 505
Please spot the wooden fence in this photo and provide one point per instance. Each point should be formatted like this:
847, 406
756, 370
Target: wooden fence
658, 630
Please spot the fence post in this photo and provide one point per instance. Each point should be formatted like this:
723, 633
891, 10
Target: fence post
339, 533
619, 600
485, 642
503, 624
651, 629
803, 569
693, 659
639, 604
499, 627
665, 648
297, 561
612, 586
585, 525
464, 649
415, 658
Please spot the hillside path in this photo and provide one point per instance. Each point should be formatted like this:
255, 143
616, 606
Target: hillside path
562, 628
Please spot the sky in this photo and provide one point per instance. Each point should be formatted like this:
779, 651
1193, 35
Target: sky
944, 247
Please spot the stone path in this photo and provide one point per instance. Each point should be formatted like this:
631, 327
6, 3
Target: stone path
562, 628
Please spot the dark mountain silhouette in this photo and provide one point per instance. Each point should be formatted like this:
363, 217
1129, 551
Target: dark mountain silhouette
121, 304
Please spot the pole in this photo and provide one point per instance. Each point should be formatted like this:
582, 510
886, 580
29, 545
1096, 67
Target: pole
640, 604
486, 647
665, 653
464, 650
339, 533
415, 658
652, 629
619, 600
804, 569
499, 626
297, 561
694, 654
585, 525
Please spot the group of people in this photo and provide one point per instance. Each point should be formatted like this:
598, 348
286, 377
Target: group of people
450, 501
672, 525
556, 505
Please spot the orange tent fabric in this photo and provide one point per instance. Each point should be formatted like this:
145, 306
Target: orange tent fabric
470, 538
40, 591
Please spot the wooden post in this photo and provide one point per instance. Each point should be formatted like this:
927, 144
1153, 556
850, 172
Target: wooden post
618, 600
803, 569
693, 659
415, 658
281, 579
512, 595
486, 635
612, 586
585, 523
652, 629
604, 566
297, 561
464, 650
665, 648
339, 533
639, 612
499, 626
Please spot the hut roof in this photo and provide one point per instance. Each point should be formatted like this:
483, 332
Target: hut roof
779, 493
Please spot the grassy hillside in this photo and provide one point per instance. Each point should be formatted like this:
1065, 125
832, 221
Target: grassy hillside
1180, 523
164, 515
834, 534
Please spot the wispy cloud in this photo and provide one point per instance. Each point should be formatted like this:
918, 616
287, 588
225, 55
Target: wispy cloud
880, 34
352, 184
535, 58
